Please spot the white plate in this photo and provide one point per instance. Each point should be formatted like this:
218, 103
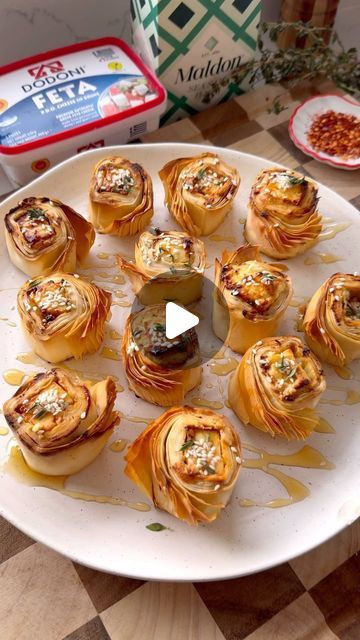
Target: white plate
244, 539
302, 117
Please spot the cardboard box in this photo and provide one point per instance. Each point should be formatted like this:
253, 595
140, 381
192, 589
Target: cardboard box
193, 45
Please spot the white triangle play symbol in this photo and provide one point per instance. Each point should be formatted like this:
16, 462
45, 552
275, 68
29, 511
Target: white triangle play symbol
178, 320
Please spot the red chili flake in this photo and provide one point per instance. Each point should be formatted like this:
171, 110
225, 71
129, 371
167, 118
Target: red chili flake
335, 133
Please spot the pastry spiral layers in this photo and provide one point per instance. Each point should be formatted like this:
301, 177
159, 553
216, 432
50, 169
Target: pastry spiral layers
170, 263
121, 197
44, 235
60, 423
250, 298
159, 370
282, 216
187, 462
63, 316
276, 386
199, 191
332, 320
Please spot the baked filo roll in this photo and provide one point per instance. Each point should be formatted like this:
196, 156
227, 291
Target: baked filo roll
282, 214
44, 235
332, 320
276, 387
250, 298
158, 369
61, 423
63, 316
187, 462
169, 265
121, 197
199, 191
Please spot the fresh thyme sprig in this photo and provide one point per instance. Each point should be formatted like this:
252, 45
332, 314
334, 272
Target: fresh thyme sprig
326, 56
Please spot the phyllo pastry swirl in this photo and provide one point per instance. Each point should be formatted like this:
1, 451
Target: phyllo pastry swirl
121, 197
61, 423
332, 320
250, 298
159, 370
187, 462
170, 263
282, 216
63, 316
44, 235
199, 191
276, 387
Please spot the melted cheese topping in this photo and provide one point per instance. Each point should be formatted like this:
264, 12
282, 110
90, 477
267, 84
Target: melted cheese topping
208, 181
256, 284
35, 226
170, 251
48, 299
114, 179
289, 371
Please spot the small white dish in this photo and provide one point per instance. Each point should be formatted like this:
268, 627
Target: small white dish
301, 120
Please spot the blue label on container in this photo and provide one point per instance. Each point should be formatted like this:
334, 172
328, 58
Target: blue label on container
71, 104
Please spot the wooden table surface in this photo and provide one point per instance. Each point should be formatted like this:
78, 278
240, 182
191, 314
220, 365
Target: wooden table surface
44, 596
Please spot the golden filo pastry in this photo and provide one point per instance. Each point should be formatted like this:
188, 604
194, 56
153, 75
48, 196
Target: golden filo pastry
44, 235
199, 191
169, 265
277, 386
187, 462
121, 197
61, 423
250, 298
157, 369
282, 213
332, 320
63, 316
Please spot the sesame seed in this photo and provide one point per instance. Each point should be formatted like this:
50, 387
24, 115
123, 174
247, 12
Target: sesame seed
217, 486
76, 275
233, 449
322, 330
83, 415
238, 460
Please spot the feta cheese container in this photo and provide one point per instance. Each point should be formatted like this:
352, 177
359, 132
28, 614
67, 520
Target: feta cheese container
69, 100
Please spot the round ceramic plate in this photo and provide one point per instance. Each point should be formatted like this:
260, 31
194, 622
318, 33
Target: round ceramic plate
300, 123
245, 538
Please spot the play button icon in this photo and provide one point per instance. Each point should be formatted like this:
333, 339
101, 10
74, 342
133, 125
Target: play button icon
168, 333
178, 320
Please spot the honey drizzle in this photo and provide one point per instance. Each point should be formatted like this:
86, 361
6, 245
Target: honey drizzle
332, 229
14, 377
324, 426
9, 323
118, 445
114, 335
111, 354
223, 369
4, 431
352, 397
321, 258
16, 466
204, 402
215, 237
306, 457
28, 357
344, 372
136, 419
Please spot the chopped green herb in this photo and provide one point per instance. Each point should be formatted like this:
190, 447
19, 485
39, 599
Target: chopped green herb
294, 180
186, 445
35, 212
172, 268
201, 174
158, 326
292, 373
155, 231
41, 413
33, 283
156, 526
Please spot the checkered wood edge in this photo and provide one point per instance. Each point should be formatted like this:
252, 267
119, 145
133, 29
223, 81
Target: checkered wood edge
44, 596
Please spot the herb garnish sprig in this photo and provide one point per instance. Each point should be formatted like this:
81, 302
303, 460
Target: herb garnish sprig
294, 65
